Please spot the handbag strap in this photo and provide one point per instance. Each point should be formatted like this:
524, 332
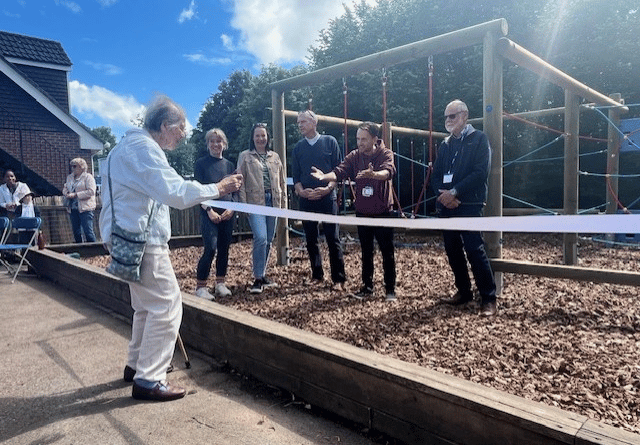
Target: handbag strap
113, 213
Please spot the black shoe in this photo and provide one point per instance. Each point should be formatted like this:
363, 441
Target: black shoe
162, 392
363, 293
488, 309
267, 283
129, 373
257, 287
390, 296
457, 300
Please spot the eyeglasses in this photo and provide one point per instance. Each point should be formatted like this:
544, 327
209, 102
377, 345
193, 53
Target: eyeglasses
452, 116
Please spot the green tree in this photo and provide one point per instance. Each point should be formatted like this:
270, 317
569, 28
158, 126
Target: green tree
182, 158
106, 136
221, 111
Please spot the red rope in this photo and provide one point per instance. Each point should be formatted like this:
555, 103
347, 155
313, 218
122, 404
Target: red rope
429, 166
384, 104
430, 109
346, 128
553, 130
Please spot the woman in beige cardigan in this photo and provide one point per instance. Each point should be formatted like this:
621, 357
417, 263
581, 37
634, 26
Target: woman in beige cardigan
263, 184
80, 191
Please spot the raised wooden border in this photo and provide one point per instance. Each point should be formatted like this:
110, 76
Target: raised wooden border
403, 400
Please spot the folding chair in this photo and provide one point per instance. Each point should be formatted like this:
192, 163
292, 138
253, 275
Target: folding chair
20, 225
5, 228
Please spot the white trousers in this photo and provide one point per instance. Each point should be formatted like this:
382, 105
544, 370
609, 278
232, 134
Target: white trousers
157, 304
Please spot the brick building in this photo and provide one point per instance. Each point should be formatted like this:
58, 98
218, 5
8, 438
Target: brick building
38, 135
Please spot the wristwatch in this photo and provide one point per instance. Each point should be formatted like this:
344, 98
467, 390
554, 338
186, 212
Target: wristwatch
453, 192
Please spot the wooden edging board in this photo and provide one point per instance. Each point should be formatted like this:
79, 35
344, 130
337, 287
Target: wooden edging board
403, 400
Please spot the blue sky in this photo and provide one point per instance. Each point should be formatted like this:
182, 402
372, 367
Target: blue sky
125, 51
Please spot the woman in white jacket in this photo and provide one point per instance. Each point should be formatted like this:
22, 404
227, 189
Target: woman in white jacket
80, 191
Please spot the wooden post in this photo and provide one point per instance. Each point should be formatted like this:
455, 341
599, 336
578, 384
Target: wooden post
280, 147
571, 165
492, 117
388, 141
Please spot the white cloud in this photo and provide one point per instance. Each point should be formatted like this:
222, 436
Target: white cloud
227, 42
282, 30
95, 101
107, 3
10, 14
106, 68
189, 13
201, 59
72, 6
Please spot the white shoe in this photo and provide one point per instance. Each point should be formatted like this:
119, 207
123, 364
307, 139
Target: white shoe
203, 292
222, 290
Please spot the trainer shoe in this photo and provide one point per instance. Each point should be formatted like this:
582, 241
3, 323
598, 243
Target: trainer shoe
266, 283
391, 296
257, 287
363, 293
203, 292
222, 291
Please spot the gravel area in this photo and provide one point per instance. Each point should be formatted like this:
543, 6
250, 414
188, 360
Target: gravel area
569, 344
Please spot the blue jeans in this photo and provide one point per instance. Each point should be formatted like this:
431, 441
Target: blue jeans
215, 237
263, 228
82, 222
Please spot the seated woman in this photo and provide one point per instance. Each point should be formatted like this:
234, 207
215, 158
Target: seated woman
16, 199
80, 191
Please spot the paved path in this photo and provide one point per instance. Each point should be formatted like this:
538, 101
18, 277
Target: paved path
62, 384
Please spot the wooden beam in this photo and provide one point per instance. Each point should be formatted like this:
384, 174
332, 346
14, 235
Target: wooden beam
526, 59
385, 59
338, 121
567, 272
280, 146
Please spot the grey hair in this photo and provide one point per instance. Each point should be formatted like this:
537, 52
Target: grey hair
461, 105
162, 109
310, 114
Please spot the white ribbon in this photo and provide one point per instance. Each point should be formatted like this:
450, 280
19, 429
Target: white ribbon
619, 223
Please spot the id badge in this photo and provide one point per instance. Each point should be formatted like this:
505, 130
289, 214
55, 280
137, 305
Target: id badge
367, 191
446, 179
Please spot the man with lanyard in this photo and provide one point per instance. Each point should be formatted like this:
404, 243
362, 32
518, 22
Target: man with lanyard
322, 152
460, 176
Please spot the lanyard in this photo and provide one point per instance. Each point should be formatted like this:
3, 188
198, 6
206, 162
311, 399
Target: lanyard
453, 161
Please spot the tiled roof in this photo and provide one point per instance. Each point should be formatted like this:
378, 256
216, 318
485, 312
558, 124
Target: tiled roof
32, 49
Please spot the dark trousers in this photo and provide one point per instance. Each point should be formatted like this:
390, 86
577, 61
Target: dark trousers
329, 206
384, 236
82, 222
456, 244
215, 237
